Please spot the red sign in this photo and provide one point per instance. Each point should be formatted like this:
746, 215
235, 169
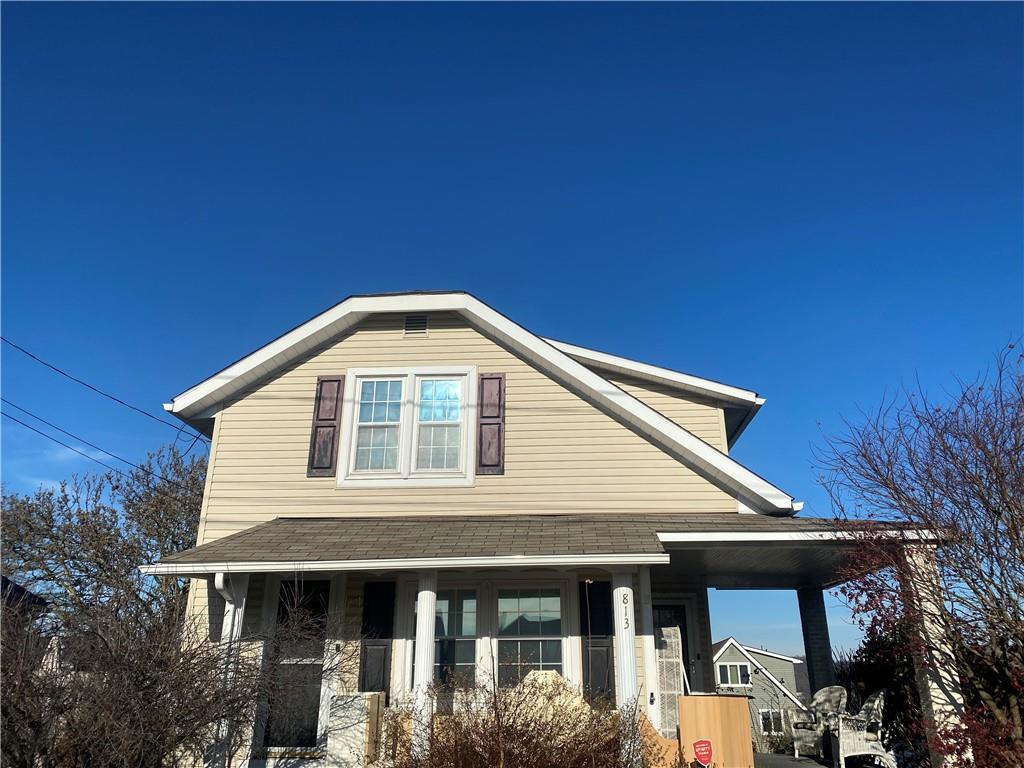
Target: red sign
702, 751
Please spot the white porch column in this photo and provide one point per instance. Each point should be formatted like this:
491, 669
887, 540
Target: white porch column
938, 684
821, 670
625, 638
426, 607
651, 692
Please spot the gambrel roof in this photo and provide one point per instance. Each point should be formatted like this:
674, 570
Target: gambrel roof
557, 360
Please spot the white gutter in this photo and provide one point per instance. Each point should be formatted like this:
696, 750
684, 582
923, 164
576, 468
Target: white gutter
738, 537
499, 561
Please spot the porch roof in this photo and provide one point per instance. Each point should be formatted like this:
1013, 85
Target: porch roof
558, 540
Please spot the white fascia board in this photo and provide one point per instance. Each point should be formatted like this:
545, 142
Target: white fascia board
773, 654
676, 379
687, 447
740, 537
728, 641
716, 466
764, 671
499, 561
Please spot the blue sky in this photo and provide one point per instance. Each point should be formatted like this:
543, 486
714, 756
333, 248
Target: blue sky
818, 202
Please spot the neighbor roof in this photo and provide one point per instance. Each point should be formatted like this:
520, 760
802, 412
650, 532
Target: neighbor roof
201, 401
288, 544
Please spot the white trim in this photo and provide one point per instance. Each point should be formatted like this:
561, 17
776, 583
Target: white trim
497, 561
652, 688
487, 586
739, 675
782, 723
683, 445
407, 476
771, 678
774, 655
710, 537
676, 379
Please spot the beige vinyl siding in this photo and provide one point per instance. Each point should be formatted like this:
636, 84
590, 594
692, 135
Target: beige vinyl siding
699, 416
561, 454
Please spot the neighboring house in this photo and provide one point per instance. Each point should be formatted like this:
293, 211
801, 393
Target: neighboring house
767, 678
475, 501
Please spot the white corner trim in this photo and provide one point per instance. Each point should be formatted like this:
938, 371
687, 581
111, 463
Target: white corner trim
739, 537
683, 445
771, 678
677, 379
498, 561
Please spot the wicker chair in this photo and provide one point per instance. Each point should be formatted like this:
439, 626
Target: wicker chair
808, 727
860, 734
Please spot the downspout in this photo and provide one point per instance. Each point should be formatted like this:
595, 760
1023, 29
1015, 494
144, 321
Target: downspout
233, 589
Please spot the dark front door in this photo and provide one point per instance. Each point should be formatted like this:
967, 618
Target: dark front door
378, 633
597, 635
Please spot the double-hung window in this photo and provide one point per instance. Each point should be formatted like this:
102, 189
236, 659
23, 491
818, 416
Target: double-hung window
408, 427
529, 632
733, 674
771, 722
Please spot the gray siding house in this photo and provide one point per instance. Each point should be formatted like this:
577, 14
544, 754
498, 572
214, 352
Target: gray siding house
767, 678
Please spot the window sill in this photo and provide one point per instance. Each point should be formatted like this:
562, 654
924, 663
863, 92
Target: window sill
412, 481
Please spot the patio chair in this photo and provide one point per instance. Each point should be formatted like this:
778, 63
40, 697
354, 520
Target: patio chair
861, 734
808, 727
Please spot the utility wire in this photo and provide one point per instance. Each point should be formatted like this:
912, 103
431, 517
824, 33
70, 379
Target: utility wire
84, 442
177, 427
115, 470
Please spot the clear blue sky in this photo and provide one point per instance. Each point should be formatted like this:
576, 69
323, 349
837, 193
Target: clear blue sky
818, 202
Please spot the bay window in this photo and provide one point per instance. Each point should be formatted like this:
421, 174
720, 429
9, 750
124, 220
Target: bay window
408, 427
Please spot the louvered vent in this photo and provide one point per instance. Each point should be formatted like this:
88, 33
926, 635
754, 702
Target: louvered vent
416, 325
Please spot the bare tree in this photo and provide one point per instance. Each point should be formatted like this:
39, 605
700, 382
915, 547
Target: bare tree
119, 673
954, 467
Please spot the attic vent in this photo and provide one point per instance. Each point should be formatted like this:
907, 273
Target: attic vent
416, 325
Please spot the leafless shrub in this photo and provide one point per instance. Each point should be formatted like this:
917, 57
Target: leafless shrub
541, 723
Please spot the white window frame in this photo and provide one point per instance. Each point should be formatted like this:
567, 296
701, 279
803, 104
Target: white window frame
737, 664
782, 724
407, 476
487, 586
561, 586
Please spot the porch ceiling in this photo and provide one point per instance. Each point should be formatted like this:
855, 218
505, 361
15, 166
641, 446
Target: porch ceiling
757, 565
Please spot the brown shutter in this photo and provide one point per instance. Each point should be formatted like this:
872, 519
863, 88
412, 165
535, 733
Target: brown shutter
490, 431
326, 432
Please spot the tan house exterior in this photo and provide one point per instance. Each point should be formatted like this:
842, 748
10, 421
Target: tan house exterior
478, 502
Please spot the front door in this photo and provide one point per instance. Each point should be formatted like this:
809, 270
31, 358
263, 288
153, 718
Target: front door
673, 655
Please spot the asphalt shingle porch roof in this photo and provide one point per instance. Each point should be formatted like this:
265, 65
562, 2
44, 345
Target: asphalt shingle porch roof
293, 539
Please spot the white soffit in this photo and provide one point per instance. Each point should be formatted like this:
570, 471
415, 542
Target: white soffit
717, 467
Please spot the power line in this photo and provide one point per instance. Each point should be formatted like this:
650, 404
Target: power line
84, 442
177, 427
91, 458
